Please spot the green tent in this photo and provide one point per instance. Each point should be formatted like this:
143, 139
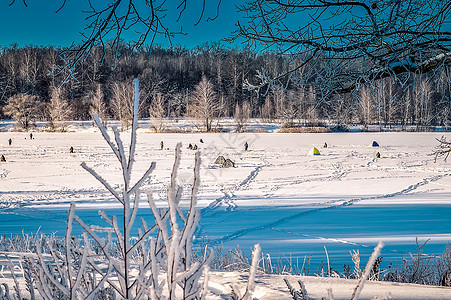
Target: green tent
314, 151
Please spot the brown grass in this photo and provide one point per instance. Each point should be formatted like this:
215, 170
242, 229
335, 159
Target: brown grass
187, 130
304, 130
171, 130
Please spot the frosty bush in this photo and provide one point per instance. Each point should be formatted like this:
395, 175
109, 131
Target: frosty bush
423, 268
109, 262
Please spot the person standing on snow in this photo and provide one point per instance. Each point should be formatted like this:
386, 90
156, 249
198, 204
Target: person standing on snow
246, 146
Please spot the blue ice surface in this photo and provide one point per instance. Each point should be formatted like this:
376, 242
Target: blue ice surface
287, 234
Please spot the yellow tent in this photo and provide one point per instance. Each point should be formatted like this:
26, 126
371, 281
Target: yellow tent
314, 151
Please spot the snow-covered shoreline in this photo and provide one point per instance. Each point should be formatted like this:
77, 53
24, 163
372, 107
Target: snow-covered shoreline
273, 287
291, 199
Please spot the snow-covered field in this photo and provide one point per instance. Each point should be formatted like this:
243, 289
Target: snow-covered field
293, 204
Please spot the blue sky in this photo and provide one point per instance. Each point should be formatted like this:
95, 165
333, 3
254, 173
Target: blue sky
39, 24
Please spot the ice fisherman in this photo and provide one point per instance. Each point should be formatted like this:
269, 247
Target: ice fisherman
325, 145
190, 146
71, 149
195, 147
10, 141
246, 145
161, 145
31, 135
2, 158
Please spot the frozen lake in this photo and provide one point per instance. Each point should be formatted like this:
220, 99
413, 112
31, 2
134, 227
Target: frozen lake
291, 203
288, 233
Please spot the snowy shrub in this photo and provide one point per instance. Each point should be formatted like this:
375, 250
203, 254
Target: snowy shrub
422, 268
444, 267
297, 295
111, 263
366, 273
229, 260
357, 273
19, 243
247, 294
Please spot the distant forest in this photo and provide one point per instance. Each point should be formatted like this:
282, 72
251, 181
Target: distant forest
171, 87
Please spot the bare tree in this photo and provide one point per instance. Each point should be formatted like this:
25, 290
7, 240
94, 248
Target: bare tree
366, 107
122, 103
422, 98
59, 110
407, 108
177, 104
444, 85
285, 107
28, 68
97, 104
344, 44
242, 115
204, 103
267, 110
23, 108
391, 103
443, 149
157, 113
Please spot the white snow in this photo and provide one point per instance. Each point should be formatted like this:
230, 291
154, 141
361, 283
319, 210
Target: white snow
277, 195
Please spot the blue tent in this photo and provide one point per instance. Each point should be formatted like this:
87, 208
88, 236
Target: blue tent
375, 144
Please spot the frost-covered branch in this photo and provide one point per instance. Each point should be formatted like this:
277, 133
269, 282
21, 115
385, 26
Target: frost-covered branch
250, 285
443, 149
341, 45
16, 282
105, 24
102, 181
105, 134
297, 295
367, 271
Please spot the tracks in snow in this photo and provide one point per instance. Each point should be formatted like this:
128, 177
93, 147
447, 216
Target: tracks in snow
23, 199
230, 194
333, 205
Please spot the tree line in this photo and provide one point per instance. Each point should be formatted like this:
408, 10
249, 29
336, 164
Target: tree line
206, 83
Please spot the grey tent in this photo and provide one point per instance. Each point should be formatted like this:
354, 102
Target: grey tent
228, 164
220, 160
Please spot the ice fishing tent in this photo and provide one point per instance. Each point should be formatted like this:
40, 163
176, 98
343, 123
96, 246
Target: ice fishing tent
228, 164
375, 144
225, 163
220, 160
314, 151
